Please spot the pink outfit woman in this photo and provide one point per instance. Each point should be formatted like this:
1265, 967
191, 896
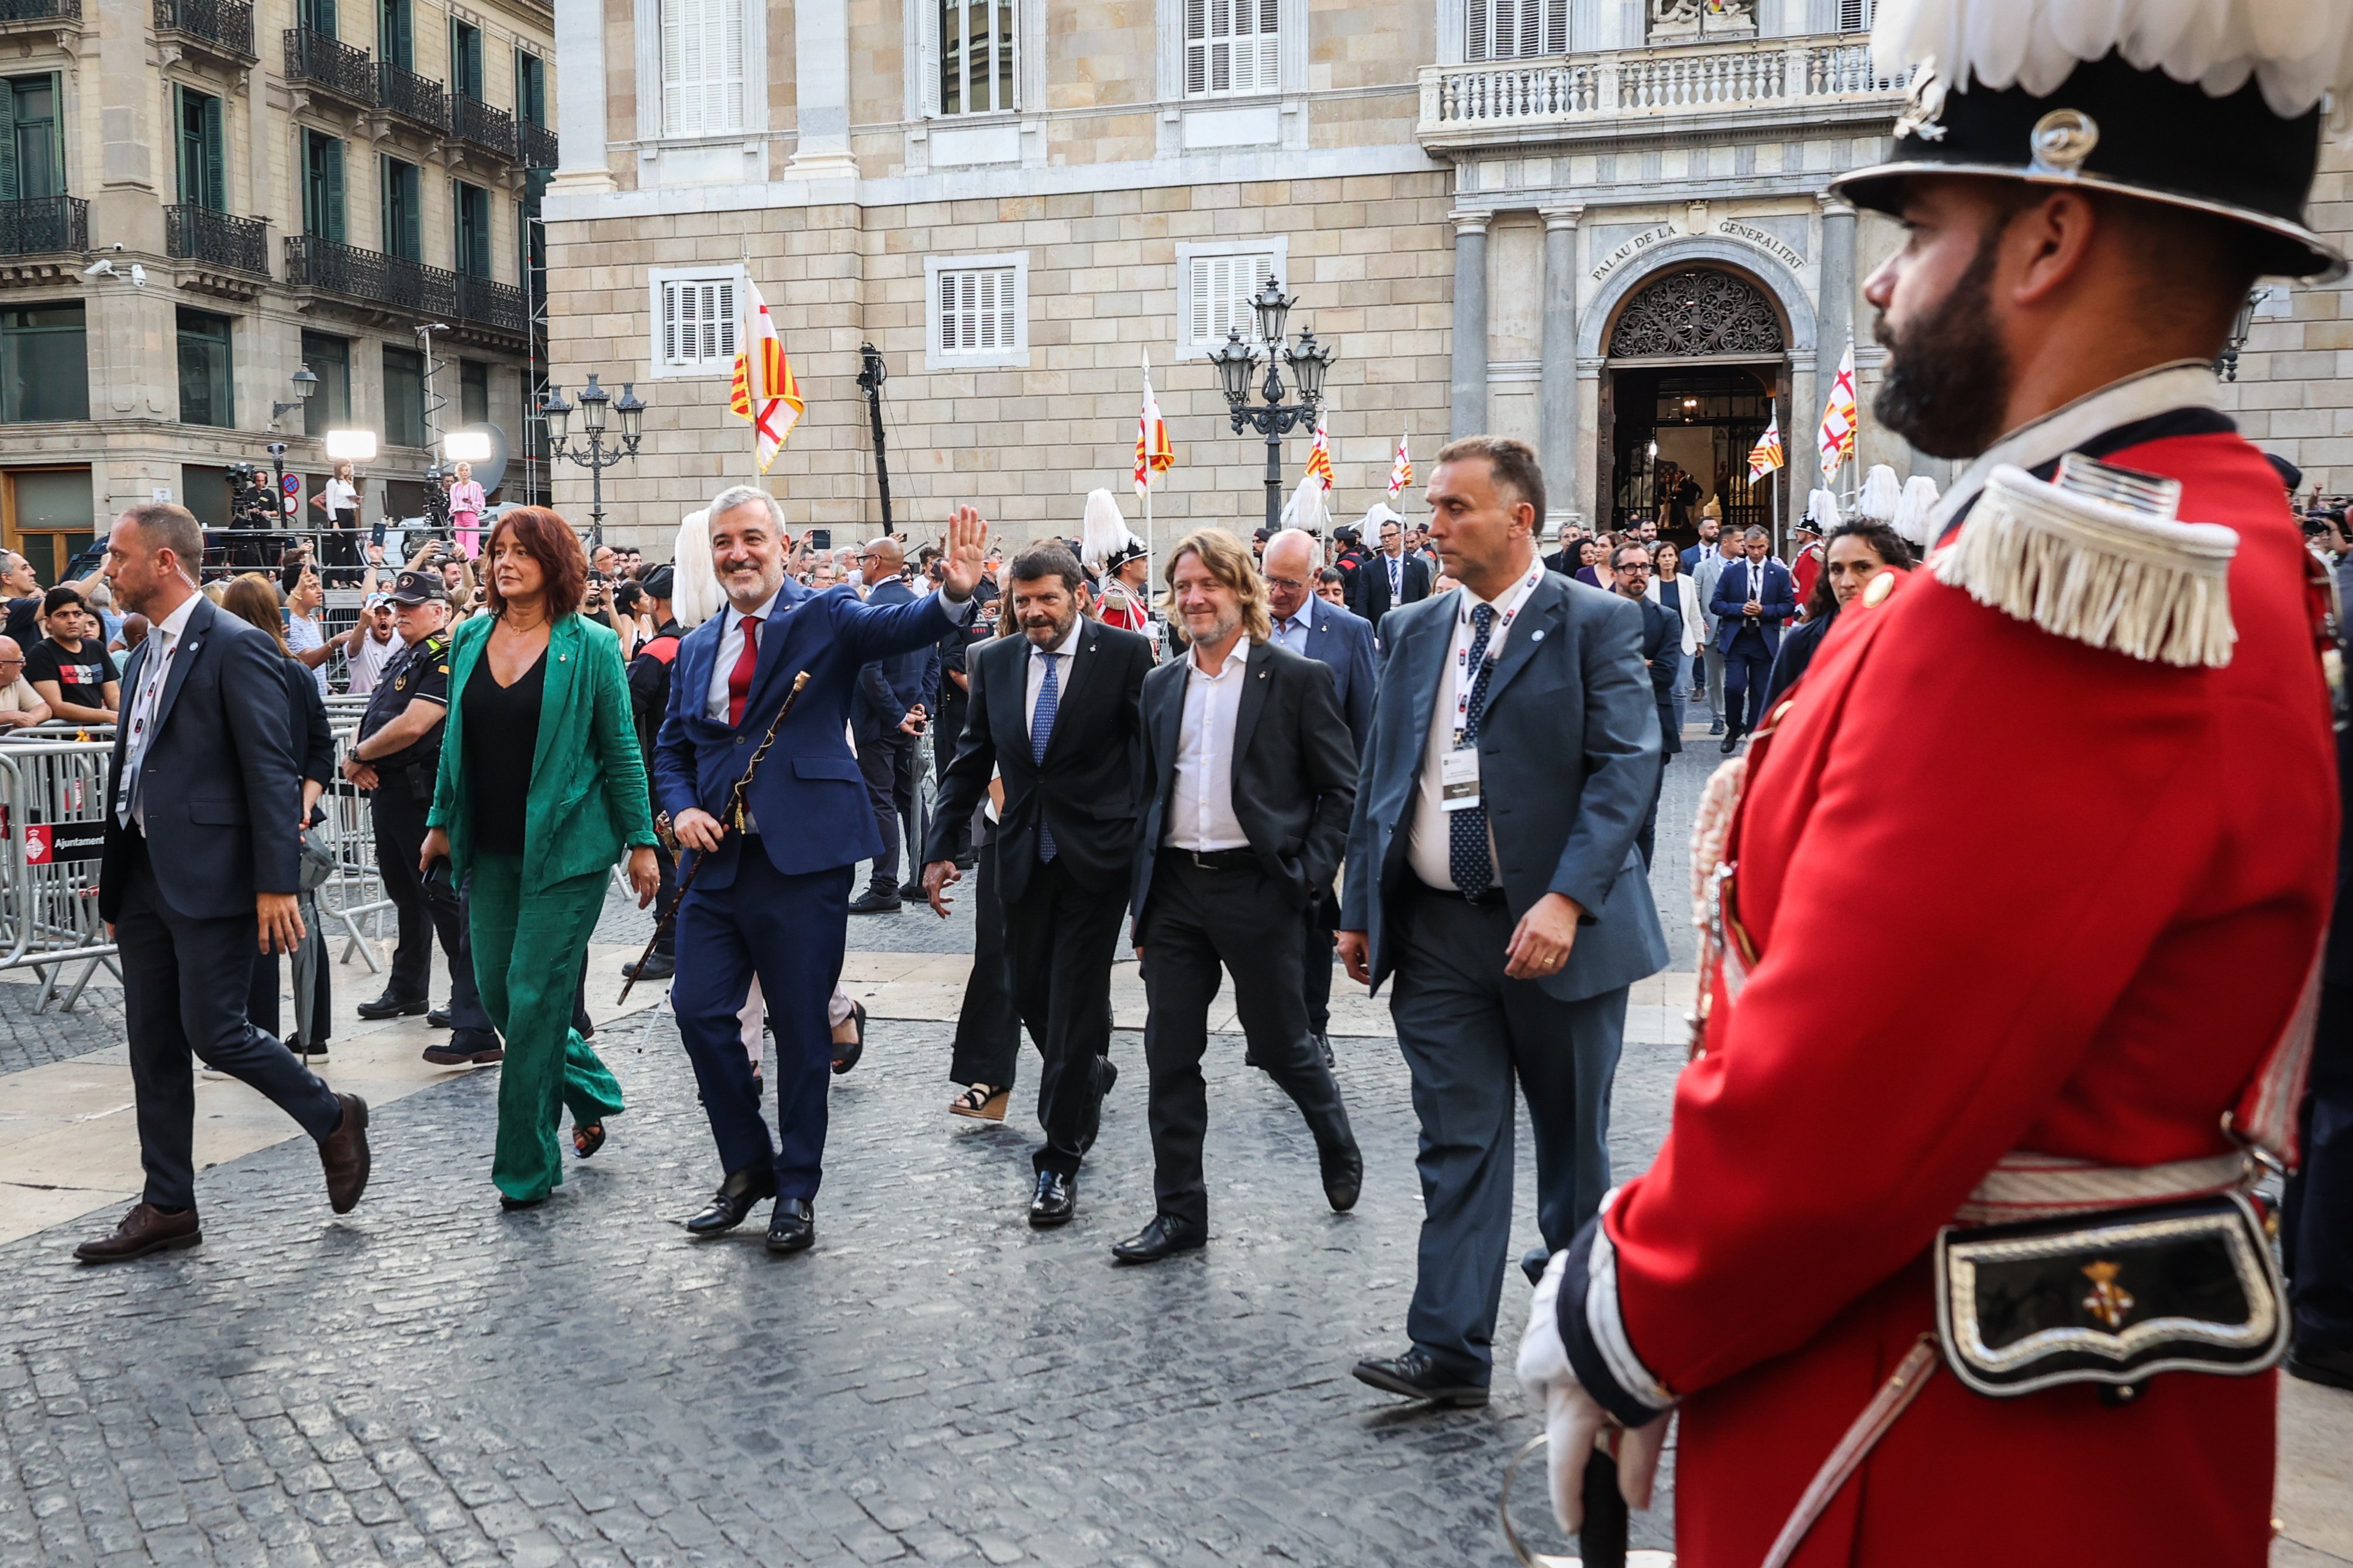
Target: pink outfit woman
466, 503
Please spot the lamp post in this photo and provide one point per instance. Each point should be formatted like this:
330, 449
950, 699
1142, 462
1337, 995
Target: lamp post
1237, 364
593, 453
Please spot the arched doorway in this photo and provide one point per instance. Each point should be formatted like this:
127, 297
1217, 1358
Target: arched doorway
1698, 365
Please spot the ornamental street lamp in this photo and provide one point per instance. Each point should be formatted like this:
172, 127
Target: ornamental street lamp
593, 453
1237, 364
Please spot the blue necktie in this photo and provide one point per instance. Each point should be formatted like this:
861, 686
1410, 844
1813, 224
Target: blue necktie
1467, 856
1041, 729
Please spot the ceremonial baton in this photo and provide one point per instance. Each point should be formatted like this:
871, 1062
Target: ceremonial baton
732, 816
1602, 1543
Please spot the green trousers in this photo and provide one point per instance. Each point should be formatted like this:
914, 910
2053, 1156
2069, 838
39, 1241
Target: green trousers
528, 953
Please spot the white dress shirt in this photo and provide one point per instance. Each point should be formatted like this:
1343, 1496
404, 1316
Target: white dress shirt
1429, 851
141, 719
731, 649
1395, 566
1064, 654
1201, 806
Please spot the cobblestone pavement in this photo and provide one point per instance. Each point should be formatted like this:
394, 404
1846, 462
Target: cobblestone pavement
30, 1039
430, 1380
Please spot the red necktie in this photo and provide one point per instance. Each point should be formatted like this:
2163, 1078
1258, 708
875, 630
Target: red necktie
739, 680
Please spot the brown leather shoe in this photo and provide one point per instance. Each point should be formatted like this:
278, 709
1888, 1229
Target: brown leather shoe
344, 1154
145, 1229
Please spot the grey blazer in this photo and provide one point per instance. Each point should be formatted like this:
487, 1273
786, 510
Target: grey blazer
1568, 754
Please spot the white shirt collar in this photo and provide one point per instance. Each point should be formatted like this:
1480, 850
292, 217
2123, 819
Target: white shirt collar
173, 625
1070, 642
1303, 618
1509, 600
768, 607
1234, 660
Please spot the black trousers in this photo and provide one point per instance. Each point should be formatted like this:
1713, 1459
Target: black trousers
1199, 921
988, 1025
2318, 1235
947, 727
184, 982
399, 840
1315, 958
887, 760
1063, 937
261, 995
666, 858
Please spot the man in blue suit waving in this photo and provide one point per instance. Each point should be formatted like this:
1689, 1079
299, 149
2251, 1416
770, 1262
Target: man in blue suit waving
1752, 598
776, 904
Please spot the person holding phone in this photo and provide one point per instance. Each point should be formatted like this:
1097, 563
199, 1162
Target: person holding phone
541, 789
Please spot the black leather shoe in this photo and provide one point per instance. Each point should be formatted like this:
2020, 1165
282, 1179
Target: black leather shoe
1731, 741
1164, 1237
2334, 1368
792, 1226
145, 1229
1344, 1176
468, 1049
876, 901
732, 1201
1056, 1200
912, 892
391, 1006
1417, 1376
661, 966
439, 1018
1324, 1044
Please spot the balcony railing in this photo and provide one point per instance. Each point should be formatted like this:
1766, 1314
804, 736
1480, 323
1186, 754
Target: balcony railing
1598, 92
478, 125
41, 11
216, 240
537, 143
412, 97
316, 61
44, 226
226, 25
372, 277
491, 304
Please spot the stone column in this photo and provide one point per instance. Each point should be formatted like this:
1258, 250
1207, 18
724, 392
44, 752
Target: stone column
580, 97
1834, 310
822, 71
1469, 378
1557, 391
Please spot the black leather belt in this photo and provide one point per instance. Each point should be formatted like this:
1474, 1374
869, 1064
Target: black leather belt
1216, 859
1488, 898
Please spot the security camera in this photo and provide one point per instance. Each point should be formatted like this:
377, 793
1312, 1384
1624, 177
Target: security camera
101, 268
138, 276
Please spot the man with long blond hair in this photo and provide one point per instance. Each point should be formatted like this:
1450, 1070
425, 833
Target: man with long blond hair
1249, 779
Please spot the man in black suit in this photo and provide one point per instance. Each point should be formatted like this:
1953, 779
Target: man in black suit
1392, 577
1252, 776
202, 836
1663, 642
1053, 711
1754, 598
885, 720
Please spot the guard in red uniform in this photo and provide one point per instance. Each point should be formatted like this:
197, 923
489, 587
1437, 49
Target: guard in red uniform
2009, 922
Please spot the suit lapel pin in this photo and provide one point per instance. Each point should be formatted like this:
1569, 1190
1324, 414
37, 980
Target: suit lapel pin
1537, 635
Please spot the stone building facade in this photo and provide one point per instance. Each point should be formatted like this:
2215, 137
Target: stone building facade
1596, 223
268, 186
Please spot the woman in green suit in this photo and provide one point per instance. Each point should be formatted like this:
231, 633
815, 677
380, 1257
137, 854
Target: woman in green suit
541, 788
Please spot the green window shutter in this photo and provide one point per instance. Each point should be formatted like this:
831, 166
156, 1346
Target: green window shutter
216, 195
412, 234
10, 186
334, 228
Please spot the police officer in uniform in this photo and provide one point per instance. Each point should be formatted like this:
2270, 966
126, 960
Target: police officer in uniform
397, 753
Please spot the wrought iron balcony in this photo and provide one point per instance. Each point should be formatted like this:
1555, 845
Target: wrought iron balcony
477, 124
327, 65
412, 97
225, 25
499, 305
537, 143
1817, 80
39, 11
44, 226
216, 239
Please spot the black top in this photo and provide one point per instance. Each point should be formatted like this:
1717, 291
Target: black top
420, 669
501, 734
82, 676
314, 742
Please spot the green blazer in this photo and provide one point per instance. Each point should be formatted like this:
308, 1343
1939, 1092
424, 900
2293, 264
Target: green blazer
587, 800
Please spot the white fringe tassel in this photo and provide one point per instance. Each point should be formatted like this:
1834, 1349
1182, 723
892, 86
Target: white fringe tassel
2095, 573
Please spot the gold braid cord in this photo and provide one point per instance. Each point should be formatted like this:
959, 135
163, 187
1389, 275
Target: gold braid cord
1719, 804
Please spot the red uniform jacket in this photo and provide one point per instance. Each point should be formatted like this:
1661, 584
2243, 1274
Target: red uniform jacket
2006, 891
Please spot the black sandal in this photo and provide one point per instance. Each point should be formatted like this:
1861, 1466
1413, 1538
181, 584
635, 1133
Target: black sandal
846, 1056
586, 1141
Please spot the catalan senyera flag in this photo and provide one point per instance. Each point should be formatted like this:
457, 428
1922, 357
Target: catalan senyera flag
1154, 455
1766, 456
764, 392
1400, 471
1840, 417
1319, 457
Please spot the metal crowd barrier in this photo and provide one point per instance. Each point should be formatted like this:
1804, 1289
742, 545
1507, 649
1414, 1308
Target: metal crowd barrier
54, 787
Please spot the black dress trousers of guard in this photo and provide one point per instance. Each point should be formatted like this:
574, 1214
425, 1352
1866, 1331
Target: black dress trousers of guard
184, 989
1197, 921
887, 762
1064, 938
399, 840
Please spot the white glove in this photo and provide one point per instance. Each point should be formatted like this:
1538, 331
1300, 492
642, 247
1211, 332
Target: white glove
1574, 1422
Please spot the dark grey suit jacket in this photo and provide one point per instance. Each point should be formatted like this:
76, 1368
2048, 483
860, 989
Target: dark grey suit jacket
1294, 773
221, 791
1568, 754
